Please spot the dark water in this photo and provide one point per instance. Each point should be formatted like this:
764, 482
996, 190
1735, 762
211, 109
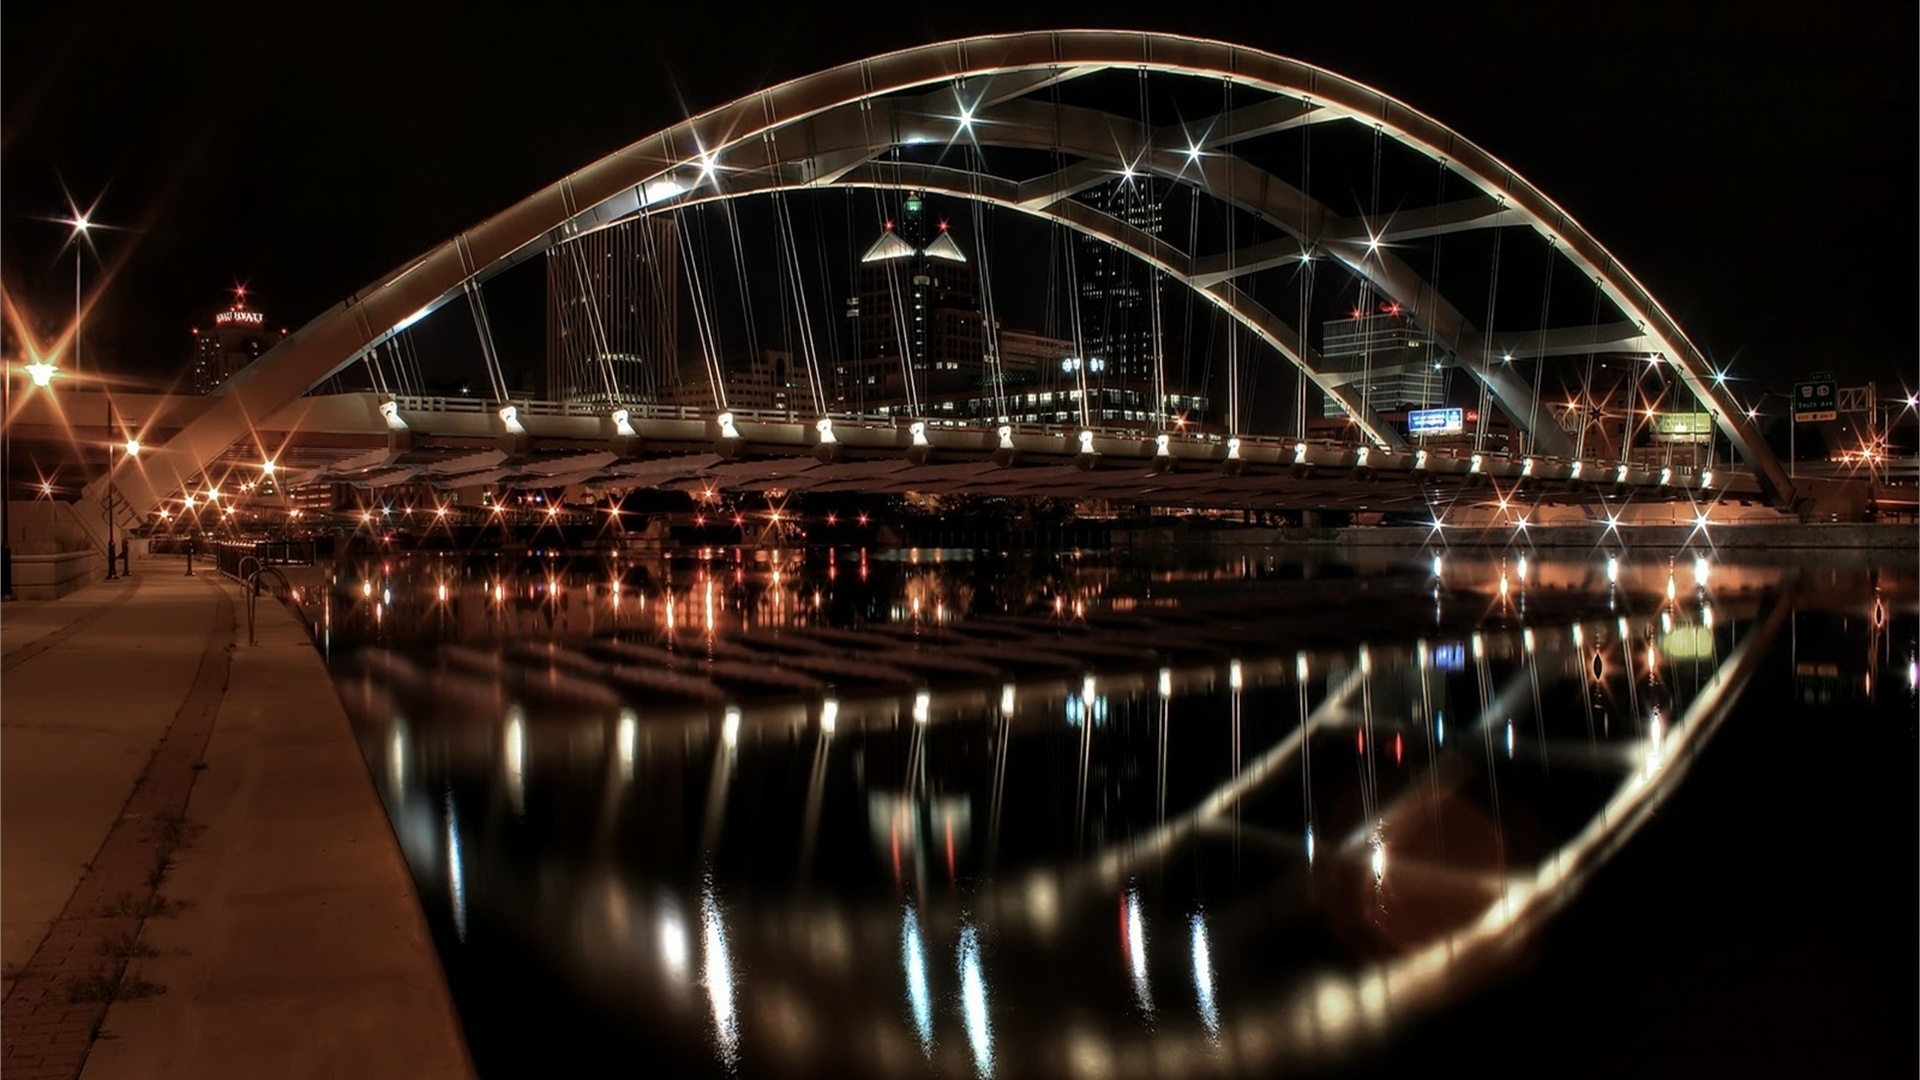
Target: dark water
932, 813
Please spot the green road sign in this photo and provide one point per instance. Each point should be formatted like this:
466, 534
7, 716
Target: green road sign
1814, 400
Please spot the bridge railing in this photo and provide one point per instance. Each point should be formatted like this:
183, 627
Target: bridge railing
1319, 447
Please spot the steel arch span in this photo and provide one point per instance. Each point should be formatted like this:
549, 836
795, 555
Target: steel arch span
831, 128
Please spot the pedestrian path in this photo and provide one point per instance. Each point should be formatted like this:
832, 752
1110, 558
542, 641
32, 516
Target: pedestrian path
198, 877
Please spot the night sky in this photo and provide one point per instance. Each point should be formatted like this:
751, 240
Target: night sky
1755, 165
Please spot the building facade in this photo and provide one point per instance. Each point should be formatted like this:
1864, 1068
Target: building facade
228, 342
915, 308
1118, 293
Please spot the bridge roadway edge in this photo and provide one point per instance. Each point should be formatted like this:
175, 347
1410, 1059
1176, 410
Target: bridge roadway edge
290, 940
1627, 539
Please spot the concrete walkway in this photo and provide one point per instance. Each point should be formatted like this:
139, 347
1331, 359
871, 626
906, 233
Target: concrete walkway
199, 879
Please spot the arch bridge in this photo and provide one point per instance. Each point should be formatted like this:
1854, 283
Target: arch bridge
1029, 124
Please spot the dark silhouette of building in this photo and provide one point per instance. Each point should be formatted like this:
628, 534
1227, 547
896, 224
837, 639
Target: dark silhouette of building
613, 312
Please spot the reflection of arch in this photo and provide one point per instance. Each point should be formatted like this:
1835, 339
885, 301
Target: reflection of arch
618, 927
783, 137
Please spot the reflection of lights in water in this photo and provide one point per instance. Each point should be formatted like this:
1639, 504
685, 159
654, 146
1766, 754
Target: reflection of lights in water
1700, 568
913, 956
1479, 647
366, 588
1526, 638
1913, 673
1006, 699
1309, 845
397, 757
516, 752
673, 943
1233, 674
1666, 622
1440, 728
1133, 938
386, 597
973, 1001
1522, 569
730, 729
624, 739
1166, 682
1613, 570
443, 592
1503, 584
1670, 589
1436, 566
1300, 666
1509, 738
456, 872
922, 706
829, 715
1706, 616
1379, 857
1086, 688
716, 975
1203, 975
1655, 731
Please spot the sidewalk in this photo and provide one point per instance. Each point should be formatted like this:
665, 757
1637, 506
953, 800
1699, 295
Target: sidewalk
195, 864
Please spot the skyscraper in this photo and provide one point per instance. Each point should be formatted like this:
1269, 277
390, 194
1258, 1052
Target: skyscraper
233, 338
1117, 290
613, 312
916, 296
1385, 359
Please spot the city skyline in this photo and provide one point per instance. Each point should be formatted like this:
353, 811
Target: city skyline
319, 221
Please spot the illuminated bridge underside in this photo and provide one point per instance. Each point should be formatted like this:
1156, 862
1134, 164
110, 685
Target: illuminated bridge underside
457, 444
829, 128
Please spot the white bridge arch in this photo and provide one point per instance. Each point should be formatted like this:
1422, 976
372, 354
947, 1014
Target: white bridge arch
830, 128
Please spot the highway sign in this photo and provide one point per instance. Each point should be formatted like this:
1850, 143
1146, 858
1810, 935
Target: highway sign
1814, 400
1436, 421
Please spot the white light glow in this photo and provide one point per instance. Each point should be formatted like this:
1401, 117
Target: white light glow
1613, 568
41, 372
1203, 971
829, 715
1006, 699
922, 706
1135, 934
456, 872
913, 957
673, 944
664, 188
973, 1001
1309, 846
716, 975
624, 736
516, 756
1166, 682
1233, 674
730, 727
1438, 563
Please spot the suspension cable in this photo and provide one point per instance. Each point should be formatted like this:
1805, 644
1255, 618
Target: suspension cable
1486, 352
1586, 385
790, 251
489, 354
1540, 354
596, 333
989, 315
703, 320
1301, 382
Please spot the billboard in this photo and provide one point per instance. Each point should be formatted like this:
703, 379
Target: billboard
1686, 427
1436, 421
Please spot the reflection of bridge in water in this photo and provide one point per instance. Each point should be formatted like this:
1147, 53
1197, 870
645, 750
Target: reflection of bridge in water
1423, 832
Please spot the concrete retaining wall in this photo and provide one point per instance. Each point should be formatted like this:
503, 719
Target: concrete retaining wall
52, 576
